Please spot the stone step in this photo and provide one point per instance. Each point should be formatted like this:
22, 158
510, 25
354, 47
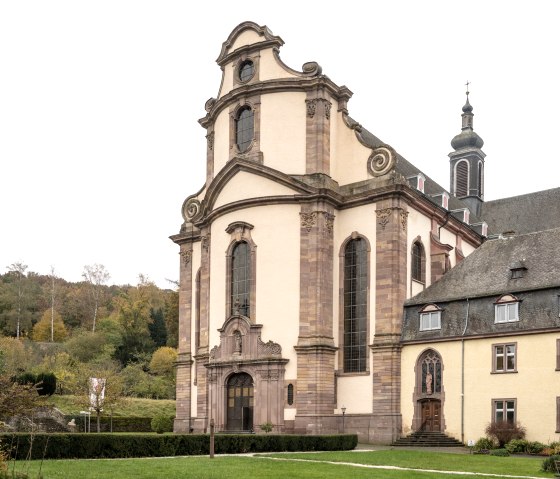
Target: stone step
428, 439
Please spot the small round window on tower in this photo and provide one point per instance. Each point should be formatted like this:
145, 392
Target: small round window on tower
246, 70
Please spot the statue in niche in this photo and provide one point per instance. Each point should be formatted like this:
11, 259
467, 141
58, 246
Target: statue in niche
238, 343
429, 380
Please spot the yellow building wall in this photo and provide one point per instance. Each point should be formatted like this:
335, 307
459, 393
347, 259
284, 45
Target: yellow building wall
535, 386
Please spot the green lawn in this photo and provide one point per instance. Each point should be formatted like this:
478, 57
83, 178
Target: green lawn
270, 467
131, 406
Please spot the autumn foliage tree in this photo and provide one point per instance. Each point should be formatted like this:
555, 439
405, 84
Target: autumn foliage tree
48, 328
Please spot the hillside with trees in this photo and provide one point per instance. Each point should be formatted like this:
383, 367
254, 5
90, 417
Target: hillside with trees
89, 329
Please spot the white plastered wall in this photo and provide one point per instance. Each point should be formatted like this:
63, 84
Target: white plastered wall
283, 131
361, 219
221, 141
418, 225
534, 386
276, 234
246, 185
348, 156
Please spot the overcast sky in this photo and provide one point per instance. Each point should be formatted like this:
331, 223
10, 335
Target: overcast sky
99, 102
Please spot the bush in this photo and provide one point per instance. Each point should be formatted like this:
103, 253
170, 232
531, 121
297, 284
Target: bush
46, 384
483, 445
116, 423
517, 446
534, 447
503, 432
267, 427
499, 452
162, 423
548, 464
91, 446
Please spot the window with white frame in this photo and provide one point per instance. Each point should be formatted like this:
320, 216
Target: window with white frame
507, 313
430, 320
504, 358
504, 410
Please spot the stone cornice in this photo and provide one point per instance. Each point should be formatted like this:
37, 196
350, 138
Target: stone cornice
273, 86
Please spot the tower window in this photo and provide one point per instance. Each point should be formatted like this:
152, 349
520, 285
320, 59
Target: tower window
244, 129
462, 179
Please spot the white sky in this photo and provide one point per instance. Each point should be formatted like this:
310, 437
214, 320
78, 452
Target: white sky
99, 102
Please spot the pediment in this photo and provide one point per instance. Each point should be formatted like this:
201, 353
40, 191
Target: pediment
244, 180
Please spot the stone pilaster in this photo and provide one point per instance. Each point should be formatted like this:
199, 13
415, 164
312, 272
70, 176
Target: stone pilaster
318, 136
202, 353
391, 273
184, 360
315, 348
210, 154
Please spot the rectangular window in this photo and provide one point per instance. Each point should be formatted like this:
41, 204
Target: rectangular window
504, 410
429, 321
507, 312
504, 358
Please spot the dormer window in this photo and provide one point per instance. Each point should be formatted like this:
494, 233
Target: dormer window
518, 270
430, 318
417, 181
506, 309
442, 199
463, 214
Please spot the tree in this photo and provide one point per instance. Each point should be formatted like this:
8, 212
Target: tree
17, 399
163, 361
96, 276
171, 317
50, 328
158, 329
53, 293
18, 269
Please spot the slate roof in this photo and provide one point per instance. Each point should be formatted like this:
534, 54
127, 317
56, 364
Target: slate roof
523, 214
486, 271
407, 169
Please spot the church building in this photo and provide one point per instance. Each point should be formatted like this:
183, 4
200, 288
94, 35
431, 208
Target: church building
298, 253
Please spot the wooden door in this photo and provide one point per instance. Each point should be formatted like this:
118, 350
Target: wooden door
240, 403
431, 415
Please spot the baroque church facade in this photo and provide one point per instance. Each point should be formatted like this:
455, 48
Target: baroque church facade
300, 250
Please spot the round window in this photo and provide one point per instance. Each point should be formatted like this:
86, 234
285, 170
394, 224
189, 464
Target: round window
246, 70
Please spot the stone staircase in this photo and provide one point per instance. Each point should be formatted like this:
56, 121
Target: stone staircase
427, 439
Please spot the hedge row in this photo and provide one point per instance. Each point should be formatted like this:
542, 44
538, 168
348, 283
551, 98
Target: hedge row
119, 423
90, 446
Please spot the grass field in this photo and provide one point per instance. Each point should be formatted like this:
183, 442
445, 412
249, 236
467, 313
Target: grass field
285, 466
130, 407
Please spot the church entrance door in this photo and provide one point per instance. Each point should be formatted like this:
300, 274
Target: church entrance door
240, 401
431, 415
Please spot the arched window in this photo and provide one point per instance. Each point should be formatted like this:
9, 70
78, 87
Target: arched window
462, 179
418, 262
244, 128
355, 306
240, 279
480, 180
290, 398
430, 373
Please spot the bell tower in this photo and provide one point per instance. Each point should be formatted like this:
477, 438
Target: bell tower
467, 162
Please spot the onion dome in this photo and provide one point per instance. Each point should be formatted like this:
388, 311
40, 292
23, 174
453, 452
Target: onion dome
467, 138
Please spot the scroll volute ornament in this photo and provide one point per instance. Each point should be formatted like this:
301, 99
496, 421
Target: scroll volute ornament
191, 209
382, 160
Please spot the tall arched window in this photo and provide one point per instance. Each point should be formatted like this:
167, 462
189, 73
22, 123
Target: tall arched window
418, 262
462, 179
244, 128
430, 373
240, 279
355, 306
